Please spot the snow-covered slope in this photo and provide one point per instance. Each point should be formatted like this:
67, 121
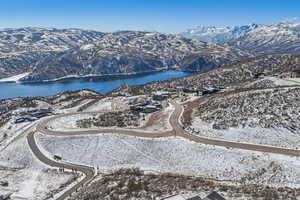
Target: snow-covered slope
53, 53
279, 38
14, 41
218, 34
21, 48
282, 38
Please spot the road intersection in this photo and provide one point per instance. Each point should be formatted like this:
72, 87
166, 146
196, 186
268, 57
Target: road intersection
177, 130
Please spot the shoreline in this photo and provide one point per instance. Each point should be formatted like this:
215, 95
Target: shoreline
102, 77
100, 84
14, 79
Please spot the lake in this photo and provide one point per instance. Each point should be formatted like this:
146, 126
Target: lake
99, 84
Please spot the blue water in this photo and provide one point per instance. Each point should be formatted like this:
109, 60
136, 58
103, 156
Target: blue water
10, 90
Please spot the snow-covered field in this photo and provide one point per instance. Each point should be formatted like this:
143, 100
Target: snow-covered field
100, 106
176, 155
14, 78
68, 122
10, 131
28, 178
73, 108
274, 137
295, 80
283, 82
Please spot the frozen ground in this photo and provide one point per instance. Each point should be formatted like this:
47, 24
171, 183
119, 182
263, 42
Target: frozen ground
68, 122
14, 78
176, 155
272, 136
162, 123
28, 178
109, 104
100, 106
283, 82
73, 108
10, 131
295, 79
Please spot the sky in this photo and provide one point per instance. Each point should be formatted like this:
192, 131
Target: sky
172, 16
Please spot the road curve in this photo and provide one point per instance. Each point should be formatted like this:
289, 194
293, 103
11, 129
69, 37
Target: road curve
245, 146
176, 131
43, 128
87, 171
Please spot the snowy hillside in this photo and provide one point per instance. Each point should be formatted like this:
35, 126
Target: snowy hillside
279, 38
218, 34
261, 39
53, 53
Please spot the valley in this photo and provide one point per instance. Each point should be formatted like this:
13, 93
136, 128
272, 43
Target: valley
170, 127
212, 112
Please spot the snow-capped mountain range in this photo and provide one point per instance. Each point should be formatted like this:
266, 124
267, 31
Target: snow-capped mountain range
282, 38
218, 34
47, 54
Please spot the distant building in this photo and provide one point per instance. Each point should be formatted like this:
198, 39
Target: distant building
295, 74
23, 119
33, 115
210, 91
214, 196
174, 197
160, 97
259, 75
150, 109
292, 74
194, 198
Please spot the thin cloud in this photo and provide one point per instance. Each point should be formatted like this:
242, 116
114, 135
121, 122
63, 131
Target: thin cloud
293, 19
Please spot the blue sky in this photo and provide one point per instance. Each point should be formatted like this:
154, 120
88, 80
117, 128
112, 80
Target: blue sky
171, 16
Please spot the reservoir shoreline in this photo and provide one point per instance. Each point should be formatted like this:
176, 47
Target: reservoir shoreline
101, 84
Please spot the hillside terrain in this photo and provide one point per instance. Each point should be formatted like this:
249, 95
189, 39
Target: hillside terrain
232, 128
252, 97
219, 34
49, 54
235, 129
245, 109
232, 77
282, 38
21, 48
131, 184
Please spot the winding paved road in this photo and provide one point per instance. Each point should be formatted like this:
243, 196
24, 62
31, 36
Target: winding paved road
177, 131
87, 171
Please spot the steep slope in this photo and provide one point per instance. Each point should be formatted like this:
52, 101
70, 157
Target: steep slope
13, 41
22, 48
282, 38
76, 52
218, 34
231, 76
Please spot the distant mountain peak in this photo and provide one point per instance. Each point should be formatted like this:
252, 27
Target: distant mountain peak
218, 34
48, 54
281, 38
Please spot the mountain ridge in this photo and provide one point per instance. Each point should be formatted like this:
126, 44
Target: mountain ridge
281, 38
54, 53
218, 34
